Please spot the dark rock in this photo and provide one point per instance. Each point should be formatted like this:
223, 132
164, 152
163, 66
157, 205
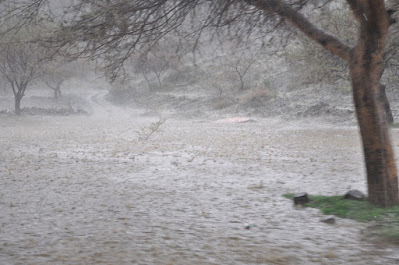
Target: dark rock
354, 195
328, 220
249, 226
301, 198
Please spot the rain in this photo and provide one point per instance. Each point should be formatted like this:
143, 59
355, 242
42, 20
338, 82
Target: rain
184, 158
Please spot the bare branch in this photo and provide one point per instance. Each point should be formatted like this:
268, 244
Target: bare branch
326, 40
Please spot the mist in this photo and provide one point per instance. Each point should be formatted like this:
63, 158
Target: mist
185, 156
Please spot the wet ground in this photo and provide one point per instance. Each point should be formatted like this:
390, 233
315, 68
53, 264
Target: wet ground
86, 190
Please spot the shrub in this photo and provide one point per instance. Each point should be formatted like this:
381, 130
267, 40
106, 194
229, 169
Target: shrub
220, 104
260, 93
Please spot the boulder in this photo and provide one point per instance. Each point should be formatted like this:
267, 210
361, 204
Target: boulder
329, 220
301, 198
354, 195
249, 226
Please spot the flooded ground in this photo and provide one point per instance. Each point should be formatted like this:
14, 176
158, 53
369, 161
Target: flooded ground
79, 190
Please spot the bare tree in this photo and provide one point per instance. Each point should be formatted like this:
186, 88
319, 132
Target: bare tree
54, 82
114, 29
154, 63
232, 73
54, 74
218, 81
241, 67
21, 62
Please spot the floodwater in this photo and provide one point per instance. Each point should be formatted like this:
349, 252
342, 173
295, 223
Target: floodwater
86, 190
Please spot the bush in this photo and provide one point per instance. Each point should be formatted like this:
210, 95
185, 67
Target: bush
257, 94
221, 104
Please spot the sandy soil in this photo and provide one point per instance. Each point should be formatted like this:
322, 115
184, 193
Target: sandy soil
86, 190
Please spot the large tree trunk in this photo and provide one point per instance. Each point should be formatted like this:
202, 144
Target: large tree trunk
18, 105
387, 106
365, 69
380, 161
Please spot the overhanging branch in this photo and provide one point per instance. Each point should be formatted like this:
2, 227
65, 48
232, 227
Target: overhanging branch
291, 15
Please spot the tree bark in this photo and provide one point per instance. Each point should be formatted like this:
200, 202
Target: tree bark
365, 67
17, 104
379, 157
387, 106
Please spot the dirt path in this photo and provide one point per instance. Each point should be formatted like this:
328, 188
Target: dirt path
87, 191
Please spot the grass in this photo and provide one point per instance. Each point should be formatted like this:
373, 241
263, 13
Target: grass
384, 222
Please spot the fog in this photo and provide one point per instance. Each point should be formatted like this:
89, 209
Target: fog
180, 154
170, 178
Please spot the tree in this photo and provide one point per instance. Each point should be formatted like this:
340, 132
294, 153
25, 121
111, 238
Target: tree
21, 62
365, 68
156, 63
365, 65
54, 74
241, 66
54, 82
112, 30
233, 72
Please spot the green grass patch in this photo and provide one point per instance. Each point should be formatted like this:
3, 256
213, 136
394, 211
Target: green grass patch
384, 222
357, 210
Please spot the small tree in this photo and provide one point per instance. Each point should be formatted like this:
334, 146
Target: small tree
54, 82
54, 74
242, 65
21, 61
218, 81
155, 62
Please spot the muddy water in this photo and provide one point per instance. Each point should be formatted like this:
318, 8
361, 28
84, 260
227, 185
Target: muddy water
76, 191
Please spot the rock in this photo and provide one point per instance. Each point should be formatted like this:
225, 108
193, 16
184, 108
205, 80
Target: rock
301, 198
249, 226
354, 195
329, 220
